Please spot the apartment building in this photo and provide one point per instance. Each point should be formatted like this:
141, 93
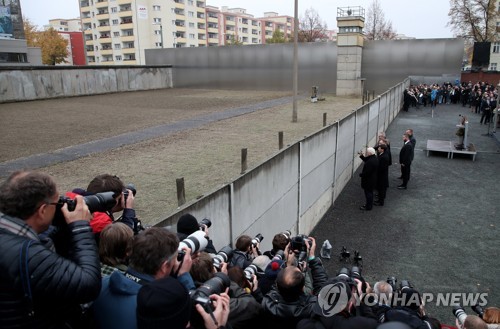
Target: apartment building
495, 45
66, 25
116, 32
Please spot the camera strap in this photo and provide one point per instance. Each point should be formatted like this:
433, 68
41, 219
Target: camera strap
135, 278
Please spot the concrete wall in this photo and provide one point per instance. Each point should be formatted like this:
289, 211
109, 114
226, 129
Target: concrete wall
22, 84
296, 187
384, 63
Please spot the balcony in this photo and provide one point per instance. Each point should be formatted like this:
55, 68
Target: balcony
88, 32
107, 52
101, 3
127, 38
104, 28
103, 37
84, 6
125, 13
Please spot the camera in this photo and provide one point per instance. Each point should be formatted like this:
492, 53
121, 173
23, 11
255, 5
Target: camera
392, 281
405, 284
344, 273
250, 271
299, 243
222, 257
479, 310
459, 313
358, 260
99, 202
345, 255
287, 234
205, 222
215, 285
258, 239
279, 255
130, 187
196, 242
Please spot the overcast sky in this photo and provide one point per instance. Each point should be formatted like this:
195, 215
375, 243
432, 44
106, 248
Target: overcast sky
422, 19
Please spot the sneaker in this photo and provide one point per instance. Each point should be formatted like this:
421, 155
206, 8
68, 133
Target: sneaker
401, 187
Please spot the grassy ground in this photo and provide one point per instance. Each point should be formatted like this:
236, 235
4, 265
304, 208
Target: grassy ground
207, 157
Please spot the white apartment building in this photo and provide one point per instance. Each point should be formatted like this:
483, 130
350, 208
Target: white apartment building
65, 25
495, 45
116, 32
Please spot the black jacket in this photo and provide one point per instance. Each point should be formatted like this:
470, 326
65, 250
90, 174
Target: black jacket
283, 314
58, 284
383, 170
369, 173
405, 155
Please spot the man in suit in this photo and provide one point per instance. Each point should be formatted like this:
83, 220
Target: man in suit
405, 158
382, 174
369, 176
413, 143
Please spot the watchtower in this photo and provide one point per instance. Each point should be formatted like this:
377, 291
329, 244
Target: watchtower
350, 22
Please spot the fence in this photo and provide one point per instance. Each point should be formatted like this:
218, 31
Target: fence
296, 187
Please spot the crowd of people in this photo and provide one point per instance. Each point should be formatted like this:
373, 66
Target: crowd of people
91, 270
480, 97
375, 173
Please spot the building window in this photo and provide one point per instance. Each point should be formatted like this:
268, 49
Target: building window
156, 8
116, 34
191, 36
493, 66
496, 47
157, 20
190, 14
115, 22
118, 46
114, 9
191, 25
157, 32
158, 44
191, 2
118, 57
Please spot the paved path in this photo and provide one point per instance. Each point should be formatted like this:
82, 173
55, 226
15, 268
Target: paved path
442, 233
106, 144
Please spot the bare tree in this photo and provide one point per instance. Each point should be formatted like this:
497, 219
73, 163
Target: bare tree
377, 27
474, 20
311, 27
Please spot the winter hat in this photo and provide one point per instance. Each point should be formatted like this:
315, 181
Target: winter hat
273, 268
163, 303
187, 224
261, 262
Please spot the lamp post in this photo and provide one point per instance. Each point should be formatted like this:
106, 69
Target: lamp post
295, 60
495, 117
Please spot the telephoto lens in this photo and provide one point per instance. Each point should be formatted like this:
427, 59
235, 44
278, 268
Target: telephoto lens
279, 255
344, 273
222, 257
132, 188
250, 271
215, 285
392, 281
479, 310
196, 242
258, 239
99, 202
405, 284
205, 222
459, 313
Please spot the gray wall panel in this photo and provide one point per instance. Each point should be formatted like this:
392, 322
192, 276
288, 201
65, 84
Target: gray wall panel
361, 135
317, 166
345, 144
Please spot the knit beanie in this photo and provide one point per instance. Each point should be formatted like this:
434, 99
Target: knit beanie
187, 224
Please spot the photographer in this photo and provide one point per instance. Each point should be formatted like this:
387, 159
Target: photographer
286, 305
245, 310
279, 242
244, 252
409, 309
187, 225
39, 288
114, 248
337, 306
124, 201
153, 256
